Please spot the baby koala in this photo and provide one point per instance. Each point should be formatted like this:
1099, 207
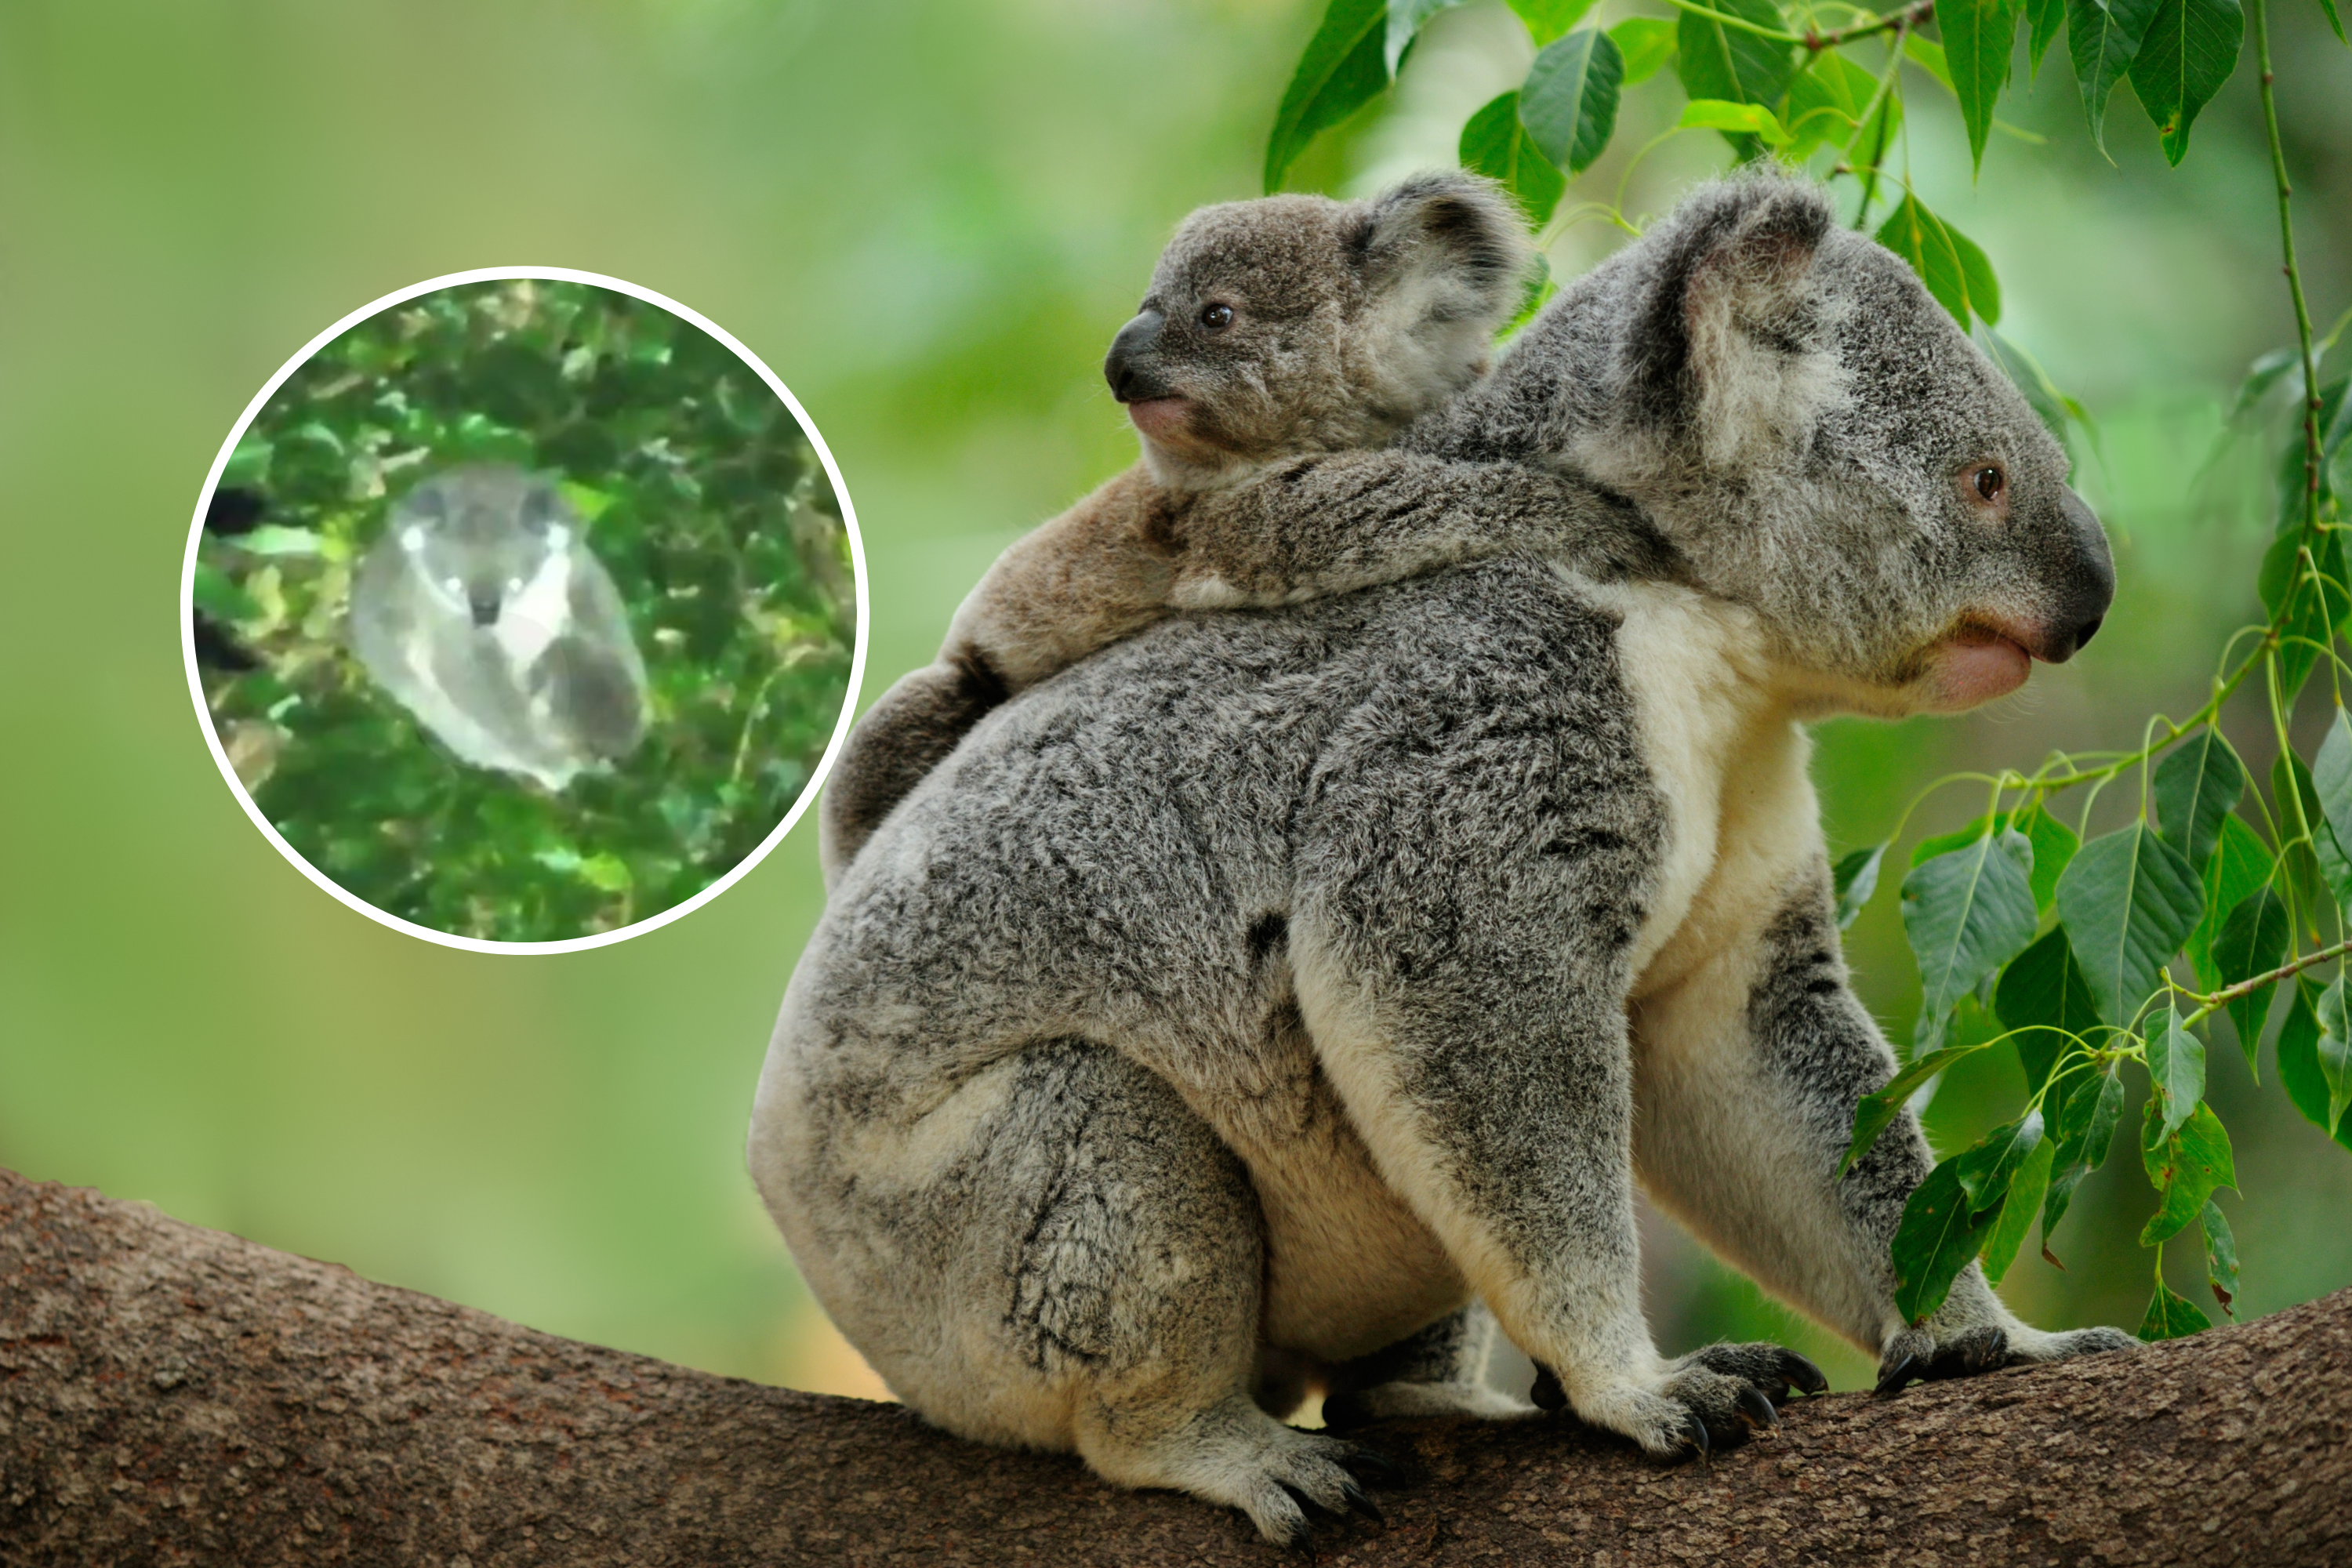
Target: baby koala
1277, 332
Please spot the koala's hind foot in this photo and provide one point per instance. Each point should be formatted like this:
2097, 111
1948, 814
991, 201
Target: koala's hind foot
1441, 1370
1918, 1355
1714, 1398
1235, 1453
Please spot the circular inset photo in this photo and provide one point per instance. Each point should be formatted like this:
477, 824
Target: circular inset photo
524, 608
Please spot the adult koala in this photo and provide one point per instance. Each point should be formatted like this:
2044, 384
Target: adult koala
1258, 991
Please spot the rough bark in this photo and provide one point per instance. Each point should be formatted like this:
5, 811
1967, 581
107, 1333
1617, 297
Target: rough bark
173, 1396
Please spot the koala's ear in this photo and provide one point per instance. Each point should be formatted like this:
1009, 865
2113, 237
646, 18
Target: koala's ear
1726, 344
1451, 241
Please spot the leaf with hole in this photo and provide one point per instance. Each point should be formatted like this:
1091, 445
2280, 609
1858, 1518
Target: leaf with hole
2171, 1317
1956, 272
1966, 912
2103, 37
1345, 68
1978, 36
2128, 901
2221, 1255
1569, 102
2043, 1002
2186, 1167
2187, 52
2195, 787
1853, 880
1494, 143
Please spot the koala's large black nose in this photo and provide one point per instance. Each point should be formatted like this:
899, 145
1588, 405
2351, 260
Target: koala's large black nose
485, 607
2088, 584
1124, 366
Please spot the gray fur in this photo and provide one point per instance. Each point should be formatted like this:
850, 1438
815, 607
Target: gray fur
1421, 921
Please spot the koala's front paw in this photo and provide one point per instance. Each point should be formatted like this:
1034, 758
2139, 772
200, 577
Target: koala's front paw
1920, 1354
1715, 1397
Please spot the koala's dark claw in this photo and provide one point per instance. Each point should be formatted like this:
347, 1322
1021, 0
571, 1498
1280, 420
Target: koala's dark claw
1694, 1434
1893, 1378
1548, 1394
1803, 1374
1361, 1501
1372, 1465
1757, 1410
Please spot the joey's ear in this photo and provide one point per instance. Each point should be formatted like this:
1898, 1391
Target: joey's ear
1452, 243
1726, 346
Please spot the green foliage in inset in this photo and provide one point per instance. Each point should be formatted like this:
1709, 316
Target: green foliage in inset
703, 498
1346, 66
1569, 102
1494, 143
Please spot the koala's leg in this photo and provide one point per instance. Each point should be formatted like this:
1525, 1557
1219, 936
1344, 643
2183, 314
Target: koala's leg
1441, 1370
1748, 1072
1063, 1256
910, 731
1461, 949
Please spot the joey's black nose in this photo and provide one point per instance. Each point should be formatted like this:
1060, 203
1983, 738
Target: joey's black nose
1126, 366
485, 607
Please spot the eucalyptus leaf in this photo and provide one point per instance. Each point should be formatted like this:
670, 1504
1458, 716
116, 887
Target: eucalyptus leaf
2103, 37
2171, 1317
1733, 65
1966, 913
2128, 901
2298, 1064
1406, 19
1940, 1233
1647, 43
1978, 36
1853, 880
2043, 18
2195, 787
2221, 1255
2334, 1052
2240, 864
1568, 101
2253, 941
1986, 1169
2043, 1002
1345, 68
2187, 52
1548, 19
1875, 1111
2086, 1130
1734, 119
2176, 1066
1494, 143
2018, 1209
2186, 1167
1955, 270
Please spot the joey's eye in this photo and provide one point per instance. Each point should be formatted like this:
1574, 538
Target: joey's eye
1216, 318
514, 584
456, 585
1989, 481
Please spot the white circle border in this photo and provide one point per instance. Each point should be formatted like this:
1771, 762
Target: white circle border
204, 709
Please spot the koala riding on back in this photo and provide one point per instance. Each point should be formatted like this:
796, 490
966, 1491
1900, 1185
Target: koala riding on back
1263, 991
1273, 329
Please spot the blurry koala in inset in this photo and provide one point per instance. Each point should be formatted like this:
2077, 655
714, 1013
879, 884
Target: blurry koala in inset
1274, 330
483, 611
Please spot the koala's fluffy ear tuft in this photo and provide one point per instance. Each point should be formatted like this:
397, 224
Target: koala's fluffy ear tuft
1727, 344
1451, 241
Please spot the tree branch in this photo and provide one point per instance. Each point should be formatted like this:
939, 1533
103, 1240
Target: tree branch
172, 1395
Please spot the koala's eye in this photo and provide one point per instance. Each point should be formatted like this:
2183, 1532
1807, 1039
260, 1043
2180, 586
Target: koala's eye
1988, 481
1216, 318
454, 585
514, 584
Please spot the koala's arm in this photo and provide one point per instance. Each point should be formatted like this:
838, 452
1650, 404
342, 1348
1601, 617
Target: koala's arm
1329, 524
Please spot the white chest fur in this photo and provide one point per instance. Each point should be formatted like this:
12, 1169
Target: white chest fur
1729, 760
532, 618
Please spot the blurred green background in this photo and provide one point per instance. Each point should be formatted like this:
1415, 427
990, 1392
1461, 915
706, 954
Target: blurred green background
697, 492
929, 217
